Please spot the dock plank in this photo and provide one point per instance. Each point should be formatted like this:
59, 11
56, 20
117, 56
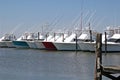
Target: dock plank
112, 69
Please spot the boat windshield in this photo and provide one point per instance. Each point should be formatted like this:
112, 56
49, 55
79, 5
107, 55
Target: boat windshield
118, 41
114, 40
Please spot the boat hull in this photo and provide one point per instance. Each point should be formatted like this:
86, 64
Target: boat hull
3, 44
87, 46
90, 46
49, 46
32, 44
10, 44
111, 47
39, 45
21, 44
64, 46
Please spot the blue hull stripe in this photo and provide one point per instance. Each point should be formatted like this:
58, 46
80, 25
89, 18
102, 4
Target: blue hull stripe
20, 43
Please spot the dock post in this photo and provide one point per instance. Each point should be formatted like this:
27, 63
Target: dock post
90, 35
38, 35
76, 42
63, 37
98, 52
105, 42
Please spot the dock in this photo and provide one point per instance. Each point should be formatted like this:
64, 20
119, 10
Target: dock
101, 70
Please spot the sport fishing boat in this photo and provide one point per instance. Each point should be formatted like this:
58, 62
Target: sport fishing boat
31, 40
48, 41
21, 42
72, 42
111, 45
67, 44
38, 42
35, 41
6, 41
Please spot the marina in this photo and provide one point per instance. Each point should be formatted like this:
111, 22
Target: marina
59, 40
27, 61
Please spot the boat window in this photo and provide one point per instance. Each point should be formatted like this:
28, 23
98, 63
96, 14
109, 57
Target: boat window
85, 40
118, 41
111, 40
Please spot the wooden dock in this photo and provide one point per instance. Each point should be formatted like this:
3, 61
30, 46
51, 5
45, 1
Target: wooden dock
101, 70
112, 69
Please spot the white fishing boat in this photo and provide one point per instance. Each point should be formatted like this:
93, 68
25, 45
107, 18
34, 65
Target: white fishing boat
67, 43
42, 38
36, 42
89, 45
31, 40
2, 42
39, 44
21, 42
72, 42
48, 42
113, 43
6, 41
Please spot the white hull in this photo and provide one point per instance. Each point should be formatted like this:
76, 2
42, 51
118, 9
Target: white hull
39, 45
87, 46
3, 44
112, 47
71, 46
10, 44
90, 46
31, 44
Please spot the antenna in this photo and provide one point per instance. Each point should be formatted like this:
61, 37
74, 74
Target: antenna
90, 17
81, 14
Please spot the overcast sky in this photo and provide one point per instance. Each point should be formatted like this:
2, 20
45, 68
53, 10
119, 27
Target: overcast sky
18, 16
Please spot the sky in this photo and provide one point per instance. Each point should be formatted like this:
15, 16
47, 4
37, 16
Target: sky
19, 16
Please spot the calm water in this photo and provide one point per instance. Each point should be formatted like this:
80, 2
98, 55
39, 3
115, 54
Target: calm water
29, 64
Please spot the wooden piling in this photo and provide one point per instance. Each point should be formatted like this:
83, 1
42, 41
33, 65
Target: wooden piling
76, 42
63, 37
46, 36
98, 68
54, 36
90, 35
38, 35
105, 42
